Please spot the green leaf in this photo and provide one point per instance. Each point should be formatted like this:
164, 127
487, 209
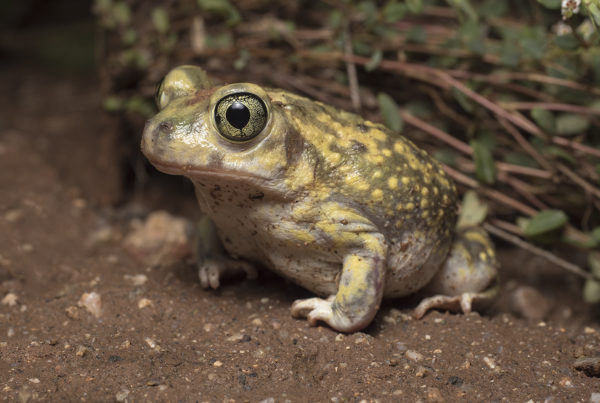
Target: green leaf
591, 289
121, 13
493, 8
160, 20
465, 102
472, 212
414, 6
551, 4
394, 11
567, 42
416, 34
222, 8
390, 111
446, 155
544, 222
375, 60
520, 158
568, 124
112, 103
544, 118
485, 169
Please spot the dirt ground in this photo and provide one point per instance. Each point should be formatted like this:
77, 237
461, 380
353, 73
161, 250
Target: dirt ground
159, 337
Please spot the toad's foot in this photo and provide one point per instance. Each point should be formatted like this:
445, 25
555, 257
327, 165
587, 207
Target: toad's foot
318, 309
457, 303
359, 292
211, 271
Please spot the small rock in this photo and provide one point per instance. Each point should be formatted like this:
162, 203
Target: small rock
595, 397
99, 236
34, 380
122, 395
152, 344
13, 215
143, 303
566, 382
82, 351
422, 371
588, 365
268, 400
72, 312
434, 395
217, 364
137, 279
161, 239
10, 332
257, 322
92, 302
10, 299
529, 303
413, 355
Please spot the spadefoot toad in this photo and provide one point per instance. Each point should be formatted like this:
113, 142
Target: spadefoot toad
342, 206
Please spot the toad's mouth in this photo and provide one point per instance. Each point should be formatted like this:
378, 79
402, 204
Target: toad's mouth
203, 174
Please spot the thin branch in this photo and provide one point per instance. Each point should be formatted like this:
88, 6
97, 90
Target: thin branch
554, 106
525, 145
351, 69
515, 240
561, 141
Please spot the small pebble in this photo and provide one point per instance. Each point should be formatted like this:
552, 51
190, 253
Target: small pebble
82, 351
143, 303
10, 299
595, 397
34, 380
92, 302
434, 395
566, 382
162, 239
257, 322
413, 355
422, 371
122, 395
13, 215
217, 364
72, 312
137, 279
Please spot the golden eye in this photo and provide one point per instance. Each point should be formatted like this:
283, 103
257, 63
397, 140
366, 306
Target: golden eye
240, 117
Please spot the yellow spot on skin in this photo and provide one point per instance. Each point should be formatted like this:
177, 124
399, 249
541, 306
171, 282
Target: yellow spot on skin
436, 190
410, 206
377, 174
392, 182
377, 195
424, 203
405, 180
425, 214
483, 256
387, 152
334, 158
424, 191
399, 147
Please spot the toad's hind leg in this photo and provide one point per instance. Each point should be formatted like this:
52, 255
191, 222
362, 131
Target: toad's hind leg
468, 276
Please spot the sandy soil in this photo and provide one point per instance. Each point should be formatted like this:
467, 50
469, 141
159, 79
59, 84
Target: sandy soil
159, 337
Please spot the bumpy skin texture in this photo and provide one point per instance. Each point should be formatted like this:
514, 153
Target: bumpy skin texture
342, 206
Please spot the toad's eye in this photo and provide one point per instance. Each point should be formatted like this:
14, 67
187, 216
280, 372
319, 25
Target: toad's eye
240, 117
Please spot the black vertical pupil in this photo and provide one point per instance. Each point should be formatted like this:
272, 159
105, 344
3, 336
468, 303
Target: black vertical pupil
238, 115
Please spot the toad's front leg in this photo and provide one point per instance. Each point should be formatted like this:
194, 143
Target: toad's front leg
359, 293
